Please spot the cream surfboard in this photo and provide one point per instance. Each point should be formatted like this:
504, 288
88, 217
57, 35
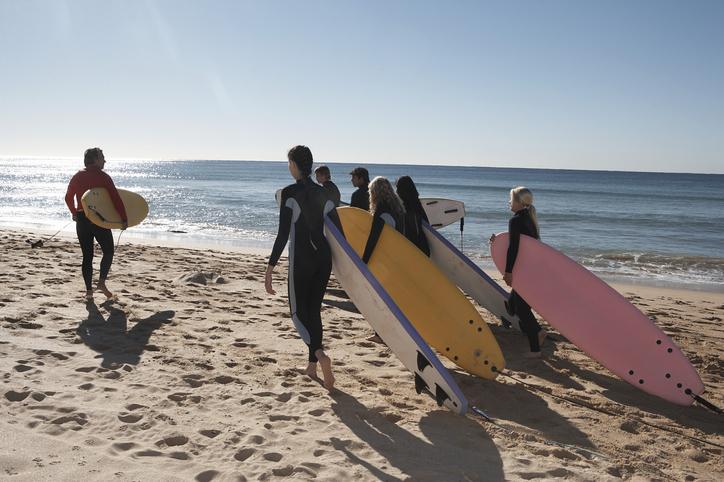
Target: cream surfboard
385, 316
468, 276
99, 209
599, 320
442, 212
434, 305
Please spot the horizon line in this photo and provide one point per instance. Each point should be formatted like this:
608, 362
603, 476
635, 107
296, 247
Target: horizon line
143, 159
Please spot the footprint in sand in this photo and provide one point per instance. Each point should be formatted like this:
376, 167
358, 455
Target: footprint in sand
273, 456
173, 440
211, 433
244, 454
14, 396
130, 417
206, 475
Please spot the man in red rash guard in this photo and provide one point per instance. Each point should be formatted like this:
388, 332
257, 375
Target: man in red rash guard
91, 177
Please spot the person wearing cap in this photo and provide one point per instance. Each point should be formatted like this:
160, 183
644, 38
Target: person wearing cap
360, 180
324, 178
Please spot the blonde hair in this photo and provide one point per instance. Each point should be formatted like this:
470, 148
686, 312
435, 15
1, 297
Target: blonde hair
381, 192
525, 197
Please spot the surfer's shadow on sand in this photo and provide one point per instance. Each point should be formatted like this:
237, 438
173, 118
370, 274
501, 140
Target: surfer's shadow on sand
514, 403
456, 448
111, 338
560, 371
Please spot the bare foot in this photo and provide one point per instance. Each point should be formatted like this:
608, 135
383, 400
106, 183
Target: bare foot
311, 370
533, 354
375, 339
326, 363
104, 289
89, 295
542, 336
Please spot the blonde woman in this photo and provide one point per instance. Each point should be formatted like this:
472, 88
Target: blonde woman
386, 208
524, 221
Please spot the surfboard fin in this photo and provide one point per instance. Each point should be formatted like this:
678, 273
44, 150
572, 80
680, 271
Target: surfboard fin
420, 384
440, 395
422, 362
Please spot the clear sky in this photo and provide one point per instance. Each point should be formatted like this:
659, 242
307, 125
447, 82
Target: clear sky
624, 85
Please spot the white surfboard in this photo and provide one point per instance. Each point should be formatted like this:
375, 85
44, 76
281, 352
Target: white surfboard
442, 212
390, 323
469, 277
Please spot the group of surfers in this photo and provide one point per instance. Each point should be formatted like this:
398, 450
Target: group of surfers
303, 207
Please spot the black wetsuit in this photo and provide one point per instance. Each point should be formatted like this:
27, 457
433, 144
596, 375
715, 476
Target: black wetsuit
301, 220
332, 192
414, 215
86, 231
361, 198
383, 215
522, 223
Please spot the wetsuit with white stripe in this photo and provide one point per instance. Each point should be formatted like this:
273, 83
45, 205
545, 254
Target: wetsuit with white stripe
301, 221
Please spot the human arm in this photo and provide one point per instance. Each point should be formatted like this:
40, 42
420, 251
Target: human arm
513, 246
117, 201
70, 198
285, 223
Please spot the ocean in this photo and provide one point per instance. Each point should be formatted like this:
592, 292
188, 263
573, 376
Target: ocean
653, 228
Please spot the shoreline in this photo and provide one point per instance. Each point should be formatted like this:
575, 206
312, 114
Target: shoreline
181, 379
620, 283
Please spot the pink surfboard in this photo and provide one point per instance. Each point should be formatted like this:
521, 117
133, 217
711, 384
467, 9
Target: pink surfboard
598, 320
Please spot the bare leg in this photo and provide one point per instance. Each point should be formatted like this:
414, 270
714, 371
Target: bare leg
326, 363
102, 286
311, 370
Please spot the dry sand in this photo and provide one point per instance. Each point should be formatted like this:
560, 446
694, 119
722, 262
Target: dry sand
180, 380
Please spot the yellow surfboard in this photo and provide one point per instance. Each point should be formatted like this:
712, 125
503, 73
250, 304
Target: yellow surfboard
99, 209
436, 307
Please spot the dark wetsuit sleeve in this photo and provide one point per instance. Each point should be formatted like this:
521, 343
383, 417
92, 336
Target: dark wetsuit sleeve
116, 198
514, 231
285, 225
378, 225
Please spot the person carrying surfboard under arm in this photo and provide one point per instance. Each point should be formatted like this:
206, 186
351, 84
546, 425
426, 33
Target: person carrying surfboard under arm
302, 210
92, 177
524, 221
414, 213
386, 208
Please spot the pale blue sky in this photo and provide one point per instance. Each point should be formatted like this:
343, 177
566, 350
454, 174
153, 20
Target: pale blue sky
630, 85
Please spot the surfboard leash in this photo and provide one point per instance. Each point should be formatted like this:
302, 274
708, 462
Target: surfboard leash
547, 441
701, 400
39, 243
609, 413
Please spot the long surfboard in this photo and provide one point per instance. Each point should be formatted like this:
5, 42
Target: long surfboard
599, 320
462, 271
434, 305
99, 209
380, 310
442, 212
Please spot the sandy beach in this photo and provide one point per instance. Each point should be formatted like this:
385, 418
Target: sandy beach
195, 373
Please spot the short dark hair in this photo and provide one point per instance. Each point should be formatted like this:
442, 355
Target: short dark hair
323, 171
302, 157
361, 172
92, 155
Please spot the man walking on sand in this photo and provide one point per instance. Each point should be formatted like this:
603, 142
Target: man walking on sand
91, 177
